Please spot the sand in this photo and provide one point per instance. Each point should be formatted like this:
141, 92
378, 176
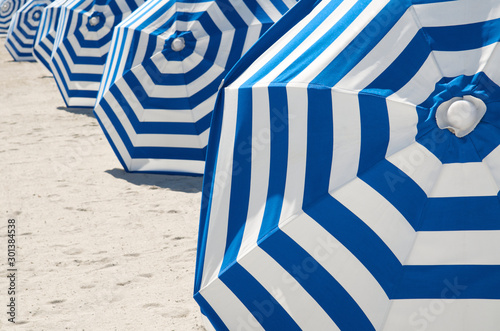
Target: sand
97, 248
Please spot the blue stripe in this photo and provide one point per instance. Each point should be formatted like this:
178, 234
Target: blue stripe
278, 160
448, 148
151, 152
210, 313
262, 305
486, 136
402, 69
401, 282
240, 178
321, 45
461, 214
116, 51
187, 128
325, 289
398, 189
364, 42
463, 37
319, 144
445, 281
293, 16
181, 104
208, 186
359, 239
375, 131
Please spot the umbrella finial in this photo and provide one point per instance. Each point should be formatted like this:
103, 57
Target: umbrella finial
178, 44
460, 115
94, 20
5, 6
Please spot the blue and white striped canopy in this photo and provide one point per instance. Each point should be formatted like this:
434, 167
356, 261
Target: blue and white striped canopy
22, 30
7, 10
45, 36
166, 63
353, 172
81, 45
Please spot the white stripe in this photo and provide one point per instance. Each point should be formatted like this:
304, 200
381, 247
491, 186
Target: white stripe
342, 265
80, 102
470, 62
286, 291
269, 9
382, 55
339, 44
169, 140
346, 138
296, 53
418, 89
253, 34
229, 308
124, 8
445, 313
166, 115
491, 68
87, 51
118, 47
418, 163
221, 191
379, 214
114, 136
493, 163
73, 85
289, 3
220, 20
465, 180
180, 166
297, 150
155, 140
403, 120
243, 11
259, 151
461, 12
456, 248
170, 67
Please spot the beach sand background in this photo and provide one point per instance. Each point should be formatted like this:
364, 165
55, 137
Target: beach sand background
97, 248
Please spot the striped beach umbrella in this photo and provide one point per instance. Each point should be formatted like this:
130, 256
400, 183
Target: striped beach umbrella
22, 30
166, 63
45, 36
81, 45
353, 172
7, 10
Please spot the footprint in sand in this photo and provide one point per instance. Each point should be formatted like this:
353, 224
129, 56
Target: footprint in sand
55, 302
132, 255
87, 286
73, 251
176, 312
151, 305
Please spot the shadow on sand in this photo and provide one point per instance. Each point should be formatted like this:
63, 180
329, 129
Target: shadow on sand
187, 184
79, 111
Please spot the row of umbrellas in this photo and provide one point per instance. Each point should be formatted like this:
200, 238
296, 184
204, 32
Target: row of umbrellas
154, 102
350, 148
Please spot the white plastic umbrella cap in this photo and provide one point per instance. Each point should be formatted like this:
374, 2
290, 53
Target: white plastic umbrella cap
5, 6
178, 44
460, 115
94, 20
